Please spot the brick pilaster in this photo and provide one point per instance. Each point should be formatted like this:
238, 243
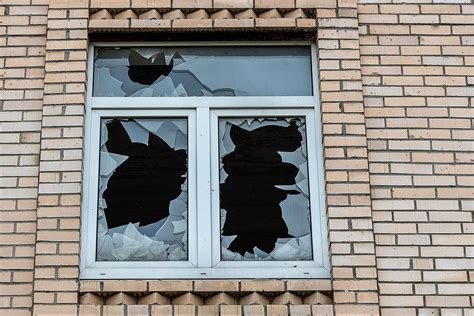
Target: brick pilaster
22, 49
59, 195
351, 238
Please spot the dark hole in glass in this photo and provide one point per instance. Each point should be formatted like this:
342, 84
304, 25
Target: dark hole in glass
249, 193
147, 70
141, 188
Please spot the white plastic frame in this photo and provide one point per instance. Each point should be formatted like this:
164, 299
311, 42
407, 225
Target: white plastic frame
203, 206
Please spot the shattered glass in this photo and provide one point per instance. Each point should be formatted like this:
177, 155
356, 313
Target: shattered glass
142, 202
202, 71
264, 189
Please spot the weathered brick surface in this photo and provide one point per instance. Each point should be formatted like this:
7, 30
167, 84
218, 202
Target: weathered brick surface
396, 87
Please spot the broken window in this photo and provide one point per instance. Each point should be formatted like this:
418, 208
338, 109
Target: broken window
142, 204
203, 162
202, 71
264, 191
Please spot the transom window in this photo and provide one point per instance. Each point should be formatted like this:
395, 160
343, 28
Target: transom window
203, 161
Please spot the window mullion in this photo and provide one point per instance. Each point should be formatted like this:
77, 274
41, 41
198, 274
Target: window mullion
203, 188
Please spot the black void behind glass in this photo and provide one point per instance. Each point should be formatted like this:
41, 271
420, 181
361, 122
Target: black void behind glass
264, 189
142, 201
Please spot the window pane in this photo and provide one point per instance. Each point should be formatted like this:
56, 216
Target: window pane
264, 190
202, 71
142, 204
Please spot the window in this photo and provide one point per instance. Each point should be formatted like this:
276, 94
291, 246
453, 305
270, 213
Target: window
203, 161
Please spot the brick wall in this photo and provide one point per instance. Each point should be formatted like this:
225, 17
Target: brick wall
22, 51
396, 84
418, 76
60, 176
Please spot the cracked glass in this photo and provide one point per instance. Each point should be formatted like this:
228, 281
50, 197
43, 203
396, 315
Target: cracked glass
202, 71
264, 189
142, 200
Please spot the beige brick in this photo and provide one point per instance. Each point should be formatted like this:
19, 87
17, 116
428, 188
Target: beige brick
121, 298
253, 298
112, 310
170, 286
275, 310
308, 285
151, 3
49, 309
402, 301
246, 14
324, 310
300, 310
187, 299
208, 310
124, 286
316, 4
90, 299
221, 299
192, 3
262, 285
440, 8
198, 14
296, 14
153, 298
110, 3
447, 301
233, 4
150, 15
64, 285
191, 23
274, 3
222, 14
287, 298
216, 286
253, 310
445, 276
318, 298
230, 309
234, 23
275, 22
139, 310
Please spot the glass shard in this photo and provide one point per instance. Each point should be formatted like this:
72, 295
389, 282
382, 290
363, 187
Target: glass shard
142, 203
186, 71
265, 211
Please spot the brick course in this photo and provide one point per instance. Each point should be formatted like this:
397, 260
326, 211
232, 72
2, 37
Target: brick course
396, 87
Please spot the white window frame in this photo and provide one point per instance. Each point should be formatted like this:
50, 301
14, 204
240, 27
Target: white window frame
203, 179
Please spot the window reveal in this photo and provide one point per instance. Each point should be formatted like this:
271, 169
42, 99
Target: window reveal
265, 211
143, 193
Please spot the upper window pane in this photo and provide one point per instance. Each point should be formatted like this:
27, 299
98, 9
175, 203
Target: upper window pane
202, 71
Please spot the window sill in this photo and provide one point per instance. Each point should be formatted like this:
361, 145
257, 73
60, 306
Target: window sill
145, 270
